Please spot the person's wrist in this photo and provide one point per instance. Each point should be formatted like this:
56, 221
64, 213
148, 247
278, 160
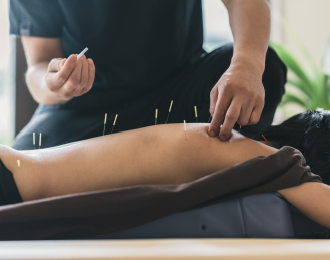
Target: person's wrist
60, 100
54, 98
251, 62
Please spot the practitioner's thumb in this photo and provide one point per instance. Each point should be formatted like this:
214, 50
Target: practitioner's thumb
62, 63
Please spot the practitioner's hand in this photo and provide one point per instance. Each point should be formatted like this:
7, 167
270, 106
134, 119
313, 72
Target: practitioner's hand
237, 97
70, 77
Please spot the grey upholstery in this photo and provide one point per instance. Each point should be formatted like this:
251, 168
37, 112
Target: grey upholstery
258, 216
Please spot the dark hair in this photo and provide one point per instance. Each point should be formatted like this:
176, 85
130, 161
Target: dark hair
309, 132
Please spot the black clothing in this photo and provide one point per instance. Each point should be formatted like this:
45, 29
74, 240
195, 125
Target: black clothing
191, 87
136, 45
306, 228
9, 193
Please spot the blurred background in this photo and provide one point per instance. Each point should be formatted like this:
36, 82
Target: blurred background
300, 34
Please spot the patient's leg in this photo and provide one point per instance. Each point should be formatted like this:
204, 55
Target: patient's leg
162, 154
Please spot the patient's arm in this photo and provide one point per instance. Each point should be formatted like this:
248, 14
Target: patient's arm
162, 154
312, 199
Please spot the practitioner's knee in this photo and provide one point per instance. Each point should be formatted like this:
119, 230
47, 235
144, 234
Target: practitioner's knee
224, 53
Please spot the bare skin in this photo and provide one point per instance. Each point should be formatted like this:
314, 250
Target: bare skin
161, 154
239, 94
51, 78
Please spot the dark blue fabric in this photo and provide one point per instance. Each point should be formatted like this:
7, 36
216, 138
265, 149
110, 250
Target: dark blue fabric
264, 215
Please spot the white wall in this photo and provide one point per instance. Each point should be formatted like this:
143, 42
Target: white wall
308, 19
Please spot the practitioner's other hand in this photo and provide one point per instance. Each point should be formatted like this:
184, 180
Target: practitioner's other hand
237, 97
70, 77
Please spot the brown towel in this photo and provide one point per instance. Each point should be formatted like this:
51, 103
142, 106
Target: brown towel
96, 213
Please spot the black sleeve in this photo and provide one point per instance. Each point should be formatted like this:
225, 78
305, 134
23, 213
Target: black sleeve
40, 18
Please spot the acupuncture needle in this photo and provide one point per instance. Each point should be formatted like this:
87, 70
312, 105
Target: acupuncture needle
34, 140
264, 138
105, 121
114, 122
169, 112
156, 114
196, 117
39, 141
82, 53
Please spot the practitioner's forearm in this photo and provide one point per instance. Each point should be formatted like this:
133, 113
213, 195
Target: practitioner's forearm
35, 79
39, 52
250, 24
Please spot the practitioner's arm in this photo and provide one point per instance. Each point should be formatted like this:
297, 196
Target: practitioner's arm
312, 199
239, 94
162, 154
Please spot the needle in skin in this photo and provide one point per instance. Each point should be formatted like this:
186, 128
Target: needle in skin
34, 140
169, 112
114, 122
209, 119
105, 121
196, 117
156, 116
264, 138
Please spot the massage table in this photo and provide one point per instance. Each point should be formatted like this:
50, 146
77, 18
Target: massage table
258, 216
266, 215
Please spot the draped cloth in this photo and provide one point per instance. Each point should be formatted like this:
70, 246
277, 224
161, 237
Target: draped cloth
95, 213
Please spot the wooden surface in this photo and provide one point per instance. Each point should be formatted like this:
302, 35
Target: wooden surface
168, 249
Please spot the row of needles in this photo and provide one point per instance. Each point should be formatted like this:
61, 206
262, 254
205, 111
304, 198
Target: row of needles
34, 140
105, 122
114, 122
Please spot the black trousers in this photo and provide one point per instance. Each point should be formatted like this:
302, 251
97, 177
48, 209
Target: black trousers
188, 88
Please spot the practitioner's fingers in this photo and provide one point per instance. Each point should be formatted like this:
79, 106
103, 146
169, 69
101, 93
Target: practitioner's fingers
91, 76
83, 78
223, 101
256, 113
68, 88
67, 68
231, 117
59, 71
213, 99
246, 112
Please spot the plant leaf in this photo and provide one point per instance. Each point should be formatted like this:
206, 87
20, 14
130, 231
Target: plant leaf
289, 98
292, 63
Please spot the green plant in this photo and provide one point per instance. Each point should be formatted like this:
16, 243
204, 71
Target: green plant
307, 86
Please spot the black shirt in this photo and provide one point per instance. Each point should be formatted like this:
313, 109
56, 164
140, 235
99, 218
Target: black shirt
135, 44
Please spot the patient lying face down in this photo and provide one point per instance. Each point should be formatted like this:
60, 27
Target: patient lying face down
161, 154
